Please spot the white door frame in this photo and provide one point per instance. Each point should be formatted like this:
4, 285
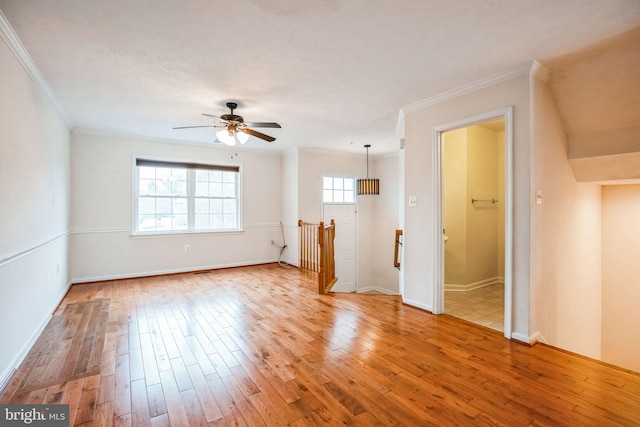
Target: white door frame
438, 288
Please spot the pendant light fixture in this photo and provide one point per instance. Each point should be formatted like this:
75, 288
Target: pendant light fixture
368, 185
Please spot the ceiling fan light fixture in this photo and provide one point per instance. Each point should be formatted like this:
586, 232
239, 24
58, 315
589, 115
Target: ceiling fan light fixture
368, 186
225, 137
242, 137
231, 137
234, 129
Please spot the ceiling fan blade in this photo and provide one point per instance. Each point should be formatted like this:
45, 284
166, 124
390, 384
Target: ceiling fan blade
190, 127
258, 134
263, 125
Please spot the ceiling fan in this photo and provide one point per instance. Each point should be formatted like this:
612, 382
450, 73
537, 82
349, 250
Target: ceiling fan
234, 129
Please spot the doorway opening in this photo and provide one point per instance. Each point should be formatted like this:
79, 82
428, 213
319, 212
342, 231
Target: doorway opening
474, 175
473, 178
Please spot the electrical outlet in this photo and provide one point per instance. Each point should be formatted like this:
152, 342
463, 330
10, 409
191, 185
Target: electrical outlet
413, 201
187, 248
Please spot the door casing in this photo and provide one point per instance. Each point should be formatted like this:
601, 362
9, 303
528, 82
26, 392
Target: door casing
438, 262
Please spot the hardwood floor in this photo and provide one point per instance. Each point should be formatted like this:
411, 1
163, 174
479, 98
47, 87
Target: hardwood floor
258, 346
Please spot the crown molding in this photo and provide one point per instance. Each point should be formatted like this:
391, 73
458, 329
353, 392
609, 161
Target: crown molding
400, 124
20, 52
539, 71
331, 152
530, 68
156, 139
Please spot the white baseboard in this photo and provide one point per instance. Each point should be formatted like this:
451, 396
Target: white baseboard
170, 271
537, 337
475, 285
376, 289
417, 304
19, 358
521, 337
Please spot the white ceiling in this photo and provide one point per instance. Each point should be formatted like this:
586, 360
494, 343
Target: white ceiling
333, 73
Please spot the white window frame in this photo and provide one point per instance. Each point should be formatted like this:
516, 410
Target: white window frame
190, 168
333, 202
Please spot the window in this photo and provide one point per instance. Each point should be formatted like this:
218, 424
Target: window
185, 197
337, 189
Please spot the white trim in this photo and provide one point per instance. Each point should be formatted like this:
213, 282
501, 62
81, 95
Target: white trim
400, 124
508, 223
289, 224
521, 337
521, 70
11, 258
172, 271
264, 225
417, 304
438, 276
387, 155
19, 358
540, 71
176, 234
101, 231
333, 189
313, 150
451, 287
537, 337
190, 197
375, 289
20, 52
401, 219
438, 231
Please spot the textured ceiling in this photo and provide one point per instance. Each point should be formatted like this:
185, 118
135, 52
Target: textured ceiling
333, 73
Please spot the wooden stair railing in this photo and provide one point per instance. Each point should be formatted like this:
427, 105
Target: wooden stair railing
317, 252
327, 257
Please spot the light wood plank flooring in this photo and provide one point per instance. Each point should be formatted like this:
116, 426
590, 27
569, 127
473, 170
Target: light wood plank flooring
258, 346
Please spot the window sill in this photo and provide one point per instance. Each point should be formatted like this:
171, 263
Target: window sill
164, 234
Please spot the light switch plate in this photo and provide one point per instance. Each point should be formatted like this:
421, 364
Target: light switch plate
413, 201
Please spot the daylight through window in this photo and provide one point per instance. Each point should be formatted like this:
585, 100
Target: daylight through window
338, 189
186, 197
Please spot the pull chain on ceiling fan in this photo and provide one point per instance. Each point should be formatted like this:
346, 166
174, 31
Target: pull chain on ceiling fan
234, 129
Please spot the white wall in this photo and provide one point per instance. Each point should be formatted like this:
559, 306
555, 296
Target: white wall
380, 274
290, 215
621, 275
373, 245
312, 165
565, 240
34, 192
101, 204
419, 181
